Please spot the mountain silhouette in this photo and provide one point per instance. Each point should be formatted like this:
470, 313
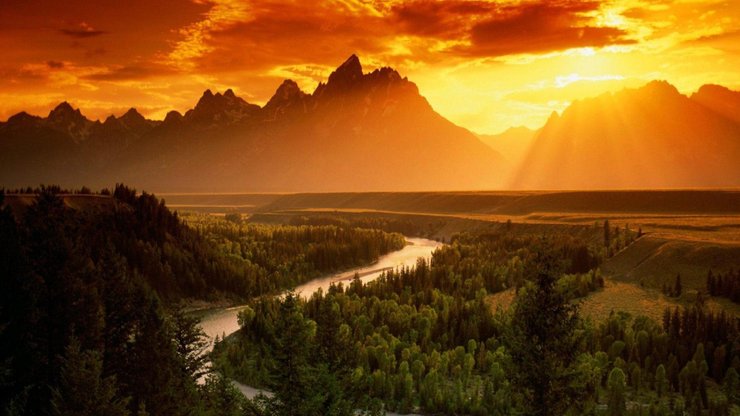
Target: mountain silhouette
649, 137
356, 132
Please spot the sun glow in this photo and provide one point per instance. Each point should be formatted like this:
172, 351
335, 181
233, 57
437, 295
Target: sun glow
565, 80
475, 62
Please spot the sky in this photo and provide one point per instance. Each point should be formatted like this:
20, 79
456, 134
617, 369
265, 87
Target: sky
485, 65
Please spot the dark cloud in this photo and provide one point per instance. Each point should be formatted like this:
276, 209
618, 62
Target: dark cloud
278, 34
541, 27
81, 33
283, 34
440, 19
55, 64
132, 72
303, 33
21, 75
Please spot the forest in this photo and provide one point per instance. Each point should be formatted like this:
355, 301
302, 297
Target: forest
427, 340
92, 312
94, 321
282, 256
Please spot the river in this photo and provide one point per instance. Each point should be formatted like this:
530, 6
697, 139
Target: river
223, 321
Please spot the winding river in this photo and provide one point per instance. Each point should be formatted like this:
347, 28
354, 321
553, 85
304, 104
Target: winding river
223, 322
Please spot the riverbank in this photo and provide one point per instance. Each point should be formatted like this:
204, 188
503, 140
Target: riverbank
223, 322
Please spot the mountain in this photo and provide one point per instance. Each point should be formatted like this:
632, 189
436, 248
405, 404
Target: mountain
513, 144
719, 99
356, 132
649, 137
65, 145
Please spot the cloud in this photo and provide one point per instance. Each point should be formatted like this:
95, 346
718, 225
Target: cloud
539, 27
196, 37
164, 53
268, 34
128, 72
717, 38
82, 31
438, 19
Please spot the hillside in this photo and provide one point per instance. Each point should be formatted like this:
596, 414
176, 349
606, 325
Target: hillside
357, 131
653, 262
650, 137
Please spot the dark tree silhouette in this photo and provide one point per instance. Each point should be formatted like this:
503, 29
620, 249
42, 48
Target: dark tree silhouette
543, 346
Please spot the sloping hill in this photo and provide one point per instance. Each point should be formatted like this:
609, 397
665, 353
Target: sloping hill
655, 261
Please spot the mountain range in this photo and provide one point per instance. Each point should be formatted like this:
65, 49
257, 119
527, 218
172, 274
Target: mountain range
356, 131
648, 137
374, 131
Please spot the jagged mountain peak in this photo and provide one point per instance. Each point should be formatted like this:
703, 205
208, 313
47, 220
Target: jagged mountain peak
227, 98
22, 116
132, 115
64, 111
287, 91
226, 107
661, 87
386, 73
287, 98
288, 86
133, 120
296, 142
351, 65
347, 73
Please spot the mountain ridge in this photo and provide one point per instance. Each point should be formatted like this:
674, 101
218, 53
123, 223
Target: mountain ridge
334, 139
331, 139
637, 138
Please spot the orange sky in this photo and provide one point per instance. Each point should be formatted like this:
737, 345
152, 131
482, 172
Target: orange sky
486, 65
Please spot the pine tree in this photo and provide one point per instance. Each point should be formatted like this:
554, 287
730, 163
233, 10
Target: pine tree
661, 382
82, 390
731, 386
221, 397
543, 345
616, 386
677, 288
191, 343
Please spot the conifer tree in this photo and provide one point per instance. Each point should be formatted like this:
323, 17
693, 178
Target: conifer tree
82, 390
616, 386
543, 345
